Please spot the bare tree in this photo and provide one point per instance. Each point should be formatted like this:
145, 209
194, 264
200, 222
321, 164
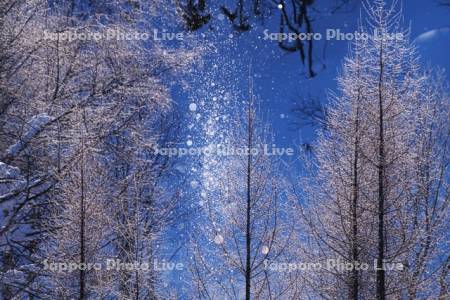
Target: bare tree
46, 79
426, 271
364, 203
336, 214
143, 206
78, 228
245, 220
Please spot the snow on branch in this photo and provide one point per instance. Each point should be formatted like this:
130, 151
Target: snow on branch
33, 128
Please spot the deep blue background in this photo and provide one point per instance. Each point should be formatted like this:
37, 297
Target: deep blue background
279, 77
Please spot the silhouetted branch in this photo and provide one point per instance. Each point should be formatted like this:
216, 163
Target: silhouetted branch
310, 112
295, 17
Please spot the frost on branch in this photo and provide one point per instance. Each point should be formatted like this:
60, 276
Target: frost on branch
32, 129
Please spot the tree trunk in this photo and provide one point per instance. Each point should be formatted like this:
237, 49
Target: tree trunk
82, 224
248, 227
381, 289
354, 288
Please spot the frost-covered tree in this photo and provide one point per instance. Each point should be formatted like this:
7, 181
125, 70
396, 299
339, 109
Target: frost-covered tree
394, 88
426, 268
336, 214
364, 199
244, 223
45, 79
143, 204
79, 227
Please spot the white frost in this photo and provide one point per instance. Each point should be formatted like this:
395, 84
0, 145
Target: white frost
34, 126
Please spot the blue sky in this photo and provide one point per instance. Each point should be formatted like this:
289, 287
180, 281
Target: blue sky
280, 78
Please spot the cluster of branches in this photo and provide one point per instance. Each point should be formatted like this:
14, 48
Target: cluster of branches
79, 180
245, 213
379, 191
